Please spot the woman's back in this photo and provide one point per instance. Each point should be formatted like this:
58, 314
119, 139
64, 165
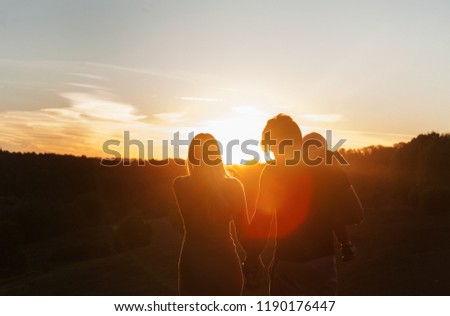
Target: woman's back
209, 264
206, 210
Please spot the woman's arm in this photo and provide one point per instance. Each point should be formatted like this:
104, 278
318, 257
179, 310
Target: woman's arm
240, 213
178, 192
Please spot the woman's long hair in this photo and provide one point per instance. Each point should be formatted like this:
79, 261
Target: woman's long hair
206, 167
204, 158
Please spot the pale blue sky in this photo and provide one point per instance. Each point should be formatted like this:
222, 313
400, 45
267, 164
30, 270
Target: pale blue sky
74, 73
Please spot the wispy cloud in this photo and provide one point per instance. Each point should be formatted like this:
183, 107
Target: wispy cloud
89, 76
86, 86
201, 99
359, 139
85, 105
171, 117
78, 128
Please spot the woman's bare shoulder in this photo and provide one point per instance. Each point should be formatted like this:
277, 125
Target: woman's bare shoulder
180, 182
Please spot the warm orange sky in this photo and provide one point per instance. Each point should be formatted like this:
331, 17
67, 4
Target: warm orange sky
74, 74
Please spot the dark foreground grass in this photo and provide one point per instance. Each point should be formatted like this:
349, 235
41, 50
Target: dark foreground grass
401, 252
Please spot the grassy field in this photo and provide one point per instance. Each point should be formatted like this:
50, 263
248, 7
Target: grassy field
401, 252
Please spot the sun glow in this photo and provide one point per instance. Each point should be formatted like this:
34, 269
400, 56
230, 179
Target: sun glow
239, 135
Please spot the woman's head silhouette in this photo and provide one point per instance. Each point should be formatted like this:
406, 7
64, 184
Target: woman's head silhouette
204, 157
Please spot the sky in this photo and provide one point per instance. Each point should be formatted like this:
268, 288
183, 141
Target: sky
74, 74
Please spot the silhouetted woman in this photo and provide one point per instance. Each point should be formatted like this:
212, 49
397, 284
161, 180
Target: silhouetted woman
209, 200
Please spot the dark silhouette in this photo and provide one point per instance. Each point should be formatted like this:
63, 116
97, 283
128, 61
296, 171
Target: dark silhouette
304, 200
316, 146
209, 200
